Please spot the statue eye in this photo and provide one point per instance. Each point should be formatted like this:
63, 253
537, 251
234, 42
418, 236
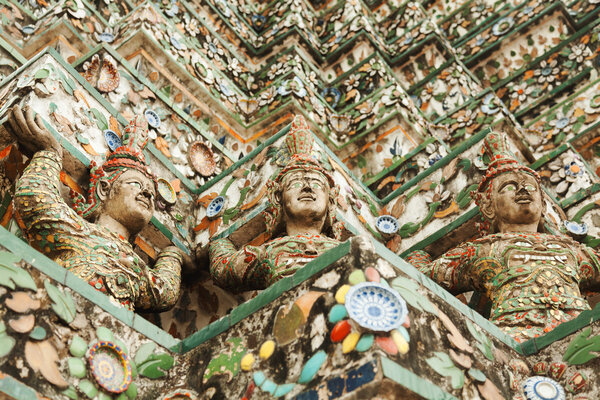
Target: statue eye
317, 185
530, 188
523, 244
135, 184
511, 187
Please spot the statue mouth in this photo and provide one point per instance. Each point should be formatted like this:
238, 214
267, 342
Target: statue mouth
144, 201
523, 199
306, 197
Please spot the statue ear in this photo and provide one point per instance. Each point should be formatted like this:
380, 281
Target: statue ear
274, 193
102, 189
486, 208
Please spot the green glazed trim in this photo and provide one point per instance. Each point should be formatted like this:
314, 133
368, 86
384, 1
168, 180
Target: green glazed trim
424, 388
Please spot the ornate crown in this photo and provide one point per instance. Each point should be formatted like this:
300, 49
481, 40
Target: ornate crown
299, 143
495, 146
128, 156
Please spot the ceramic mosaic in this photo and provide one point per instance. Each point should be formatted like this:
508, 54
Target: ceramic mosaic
398, 97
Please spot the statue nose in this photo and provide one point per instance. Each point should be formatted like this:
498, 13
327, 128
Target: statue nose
147, 193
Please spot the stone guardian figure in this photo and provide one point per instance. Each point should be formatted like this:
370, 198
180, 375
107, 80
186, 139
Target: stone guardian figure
94, 242
532, 278
302, 205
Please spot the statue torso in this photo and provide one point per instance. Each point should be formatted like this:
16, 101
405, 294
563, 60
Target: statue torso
290, 253
530, 276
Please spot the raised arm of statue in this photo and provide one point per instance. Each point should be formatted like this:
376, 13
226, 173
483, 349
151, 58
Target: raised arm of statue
39, 204
161, 288
241, 269
589, 268
37, 198
94, 240
453, 270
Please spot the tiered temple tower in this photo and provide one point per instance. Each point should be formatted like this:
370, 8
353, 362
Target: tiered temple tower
398, 97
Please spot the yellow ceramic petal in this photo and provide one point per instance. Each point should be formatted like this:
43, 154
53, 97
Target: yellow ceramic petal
349, 342
247, 362
266, 350
400, 342
340, 295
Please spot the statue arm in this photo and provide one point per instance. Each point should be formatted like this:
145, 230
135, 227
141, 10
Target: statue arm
452, 270
238, 269
589, 268
160, 290
38, 202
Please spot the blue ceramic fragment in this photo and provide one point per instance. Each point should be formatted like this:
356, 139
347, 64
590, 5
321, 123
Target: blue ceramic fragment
335, 387
284, 389
360, 376
337, 313
269, 386
152, 118
259, 378
312, 367
404, 333
365, 342
113, 141
215, 207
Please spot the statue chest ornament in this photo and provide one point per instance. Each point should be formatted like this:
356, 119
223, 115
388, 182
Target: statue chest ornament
290, 253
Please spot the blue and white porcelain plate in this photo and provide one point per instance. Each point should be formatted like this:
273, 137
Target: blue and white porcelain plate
215, 207
387, 224
113, 141
152, 118
375, 306
578, 229
543, 388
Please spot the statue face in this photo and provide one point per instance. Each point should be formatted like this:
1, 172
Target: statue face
516, 199
131, 200
305, 196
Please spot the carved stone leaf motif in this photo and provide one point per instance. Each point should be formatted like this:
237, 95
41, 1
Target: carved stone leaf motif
455, 337
6, 342
42, 357
408, 289
580, 349
11, 275
443, 365
152, 365
62, 303
484, 344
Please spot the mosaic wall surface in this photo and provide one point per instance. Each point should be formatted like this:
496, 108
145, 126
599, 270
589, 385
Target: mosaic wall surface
399, 95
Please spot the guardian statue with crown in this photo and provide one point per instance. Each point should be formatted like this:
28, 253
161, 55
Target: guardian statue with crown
94, 240
532, 278
300, 218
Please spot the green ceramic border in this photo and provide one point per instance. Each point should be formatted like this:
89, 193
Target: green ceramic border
455, 152
142, 79
555, 6
111, 110
263, 298
67, 278
17, 389
12, 51
412, 381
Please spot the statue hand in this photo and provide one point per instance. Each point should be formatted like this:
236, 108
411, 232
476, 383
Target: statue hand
188, 263
31, 132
